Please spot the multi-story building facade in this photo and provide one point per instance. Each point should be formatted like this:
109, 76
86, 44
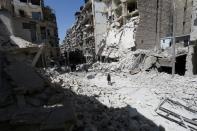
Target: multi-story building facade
156, 21
88, 30
33, 22
154, 30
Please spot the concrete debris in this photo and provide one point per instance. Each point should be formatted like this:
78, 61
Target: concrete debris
142, 91
170, 110
120, 40
101, 113
21, 43
30, 102
149, 62
128, 62
140, 60
30, 83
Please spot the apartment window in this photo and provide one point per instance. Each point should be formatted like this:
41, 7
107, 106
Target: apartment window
195, 22
132, 5
26, 26
43, 32
183, 23
24, 1
48, 32
22, 13
35, 2
36, 15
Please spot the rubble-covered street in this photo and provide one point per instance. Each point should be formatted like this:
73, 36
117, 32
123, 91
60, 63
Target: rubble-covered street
98, 65
143, 92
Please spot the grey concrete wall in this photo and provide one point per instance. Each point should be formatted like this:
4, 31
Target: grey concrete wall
19, 31
146, 31
100, 21
194, 21
191, 62
6, 4
156, 18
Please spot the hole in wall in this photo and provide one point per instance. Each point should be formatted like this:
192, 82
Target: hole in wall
180, 66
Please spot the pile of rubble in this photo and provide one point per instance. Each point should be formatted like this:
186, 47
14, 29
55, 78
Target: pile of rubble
96, 110
29, 101
139, 60
143, 91
120, 40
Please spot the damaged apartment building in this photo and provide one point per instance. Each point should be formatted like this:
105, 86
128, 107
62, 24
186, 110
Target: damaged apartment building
85, 40
32, 28
106, 29
161, 21
89, 27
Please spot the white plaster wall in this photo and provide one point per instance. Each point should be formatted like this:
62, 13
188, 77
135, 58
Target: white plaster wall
27, 7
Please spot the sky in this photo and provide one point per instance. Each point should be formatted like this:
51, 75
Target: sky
64, 10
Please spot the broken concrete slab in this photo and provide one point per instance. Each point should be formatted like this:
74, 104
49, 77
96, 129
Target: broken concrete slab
56, 98
91, 76
35, 102
6, 96
6, 113
25, 77
149, 62
60, 118
135, 71
24, 99
29, 116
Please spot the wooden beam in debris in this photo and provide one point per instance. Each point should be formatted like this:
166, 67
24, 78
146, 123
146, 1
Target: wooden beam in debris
35, 60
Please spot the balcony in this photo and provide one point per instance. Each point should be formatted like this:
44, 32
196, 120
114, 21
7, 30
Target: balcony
32, 2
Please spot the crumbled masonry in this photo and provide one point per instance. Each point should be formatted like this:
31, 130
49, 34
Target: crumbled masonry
124, 65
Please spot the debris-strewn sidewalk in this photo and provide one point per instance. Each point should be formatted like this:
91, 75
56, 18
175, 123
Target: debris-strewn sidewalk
143, 91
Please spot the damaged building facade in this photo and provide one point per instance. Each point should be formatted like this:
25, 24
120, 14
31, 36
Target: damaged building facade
155, 31
29, 21
89, 27
93, 22
119, 26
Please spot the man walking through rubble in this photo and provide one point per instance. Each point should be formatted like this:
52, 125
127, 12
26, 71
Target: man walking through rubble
109, 79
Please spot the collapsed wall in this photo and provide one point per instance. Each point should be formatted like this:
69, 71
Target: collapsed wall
29, 101
119, 41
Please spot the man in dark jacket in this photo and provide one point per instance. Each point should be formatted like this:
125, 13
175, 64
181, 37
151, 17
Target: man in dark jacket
109, 79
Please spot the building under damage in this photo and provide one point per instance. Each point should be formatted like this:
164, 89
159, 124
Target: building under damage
31, 27
109, 28
28, 38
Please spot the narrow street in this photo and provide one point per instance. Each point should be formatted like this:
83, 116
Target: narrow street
134, 91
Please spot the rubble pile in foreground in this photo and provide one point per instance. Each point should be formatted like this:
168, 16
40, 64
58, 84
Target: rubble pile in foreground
128, 95
96, 113
29, 102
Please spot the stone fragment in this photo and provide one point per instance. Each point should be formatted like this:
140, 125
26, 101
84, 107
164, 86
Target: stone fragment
25, 77
59, 118
29, 116
34, 101
149, 62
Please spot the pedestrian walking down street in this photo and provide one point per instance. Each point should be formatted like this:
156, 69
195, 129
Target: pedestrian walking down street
109, 79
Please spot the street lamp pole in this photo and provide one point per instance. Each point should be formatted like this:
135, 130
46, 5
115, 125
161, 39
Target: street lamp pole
174, 40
